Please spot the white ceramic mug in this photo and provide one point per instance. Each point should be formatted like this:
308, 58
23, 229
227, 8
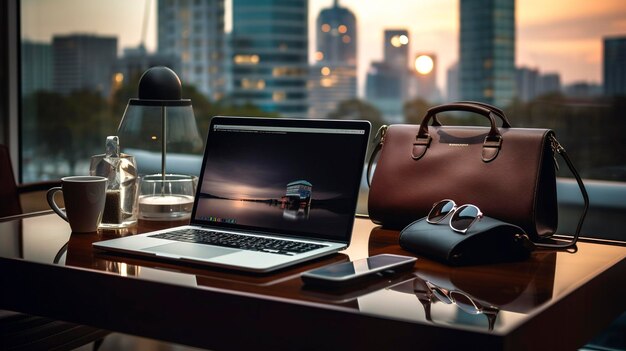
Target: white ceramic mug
84, 198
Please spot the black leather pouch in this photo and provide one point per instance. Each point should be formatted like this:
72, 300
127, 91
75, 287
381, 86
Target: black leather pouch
487, 241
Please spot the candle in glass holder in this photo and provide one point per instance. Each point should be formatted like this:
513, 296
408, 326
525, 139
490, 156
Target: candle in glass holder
165, 198
165, 206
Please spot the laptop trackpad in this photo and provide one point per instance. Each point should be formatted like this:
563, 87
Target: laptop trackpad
189, 250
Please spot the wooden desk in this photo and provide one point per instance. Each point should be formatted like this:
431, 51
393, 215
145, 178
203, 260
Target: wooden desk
552, 301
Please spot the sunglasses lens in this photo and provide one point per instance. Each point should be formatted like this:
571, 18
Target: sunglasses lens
464, 217
465, 302
440, 295
440, 211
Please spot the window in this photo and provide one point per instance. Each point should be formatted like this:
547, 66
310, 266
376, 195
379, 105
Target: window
555, 65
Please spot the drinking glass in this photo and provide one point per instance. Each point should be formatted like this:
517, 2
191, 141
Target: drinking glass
166, 198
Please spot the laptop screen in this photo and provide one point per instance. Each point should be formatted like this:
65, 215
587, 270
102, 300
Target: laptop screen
295, 177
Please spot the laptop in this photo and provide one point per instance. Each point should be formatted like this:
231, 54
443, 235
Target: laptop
272, 192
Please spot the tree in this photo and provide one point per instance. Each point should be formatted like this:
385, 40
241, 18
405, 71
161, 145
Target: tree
589, 128
415, 110
71, 127
358, 109
51, 116
90, 122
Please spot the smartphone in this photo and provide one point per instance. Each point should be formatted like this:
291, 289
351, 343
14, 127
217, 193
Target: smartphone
341, 274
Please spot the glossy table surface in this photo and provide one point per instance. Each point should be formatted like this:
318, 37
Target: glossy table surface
554, 300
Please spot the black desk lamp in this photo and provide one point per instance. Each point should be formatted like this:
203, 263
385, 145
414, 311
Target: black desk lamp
160, 121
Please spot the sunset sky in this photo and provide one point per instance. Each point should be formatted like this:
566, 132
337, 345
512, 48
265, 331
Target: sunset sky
562, 36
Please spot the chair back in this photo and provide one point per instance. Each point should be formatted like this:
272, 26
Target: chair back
9, 196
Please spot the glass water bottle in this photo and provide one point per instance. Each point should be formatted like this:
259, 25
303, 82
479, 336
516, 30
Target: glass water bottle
120, 210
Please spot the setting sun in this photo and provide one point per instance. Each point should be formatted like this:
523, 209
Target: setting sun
424, 64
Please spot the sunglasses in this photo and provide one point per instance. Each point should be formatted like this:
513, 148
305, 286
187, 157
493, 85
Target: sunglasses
464, 301
462, 217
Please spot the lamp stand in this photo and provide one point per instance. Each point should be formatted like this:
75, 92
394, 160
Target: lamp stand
163, 146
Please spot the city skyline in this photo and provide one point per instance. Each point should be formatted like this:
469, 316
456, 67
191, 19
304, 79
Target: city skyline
551, 40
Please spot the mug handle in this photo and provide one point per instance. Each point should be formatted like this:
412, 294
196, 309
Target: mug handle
53, 205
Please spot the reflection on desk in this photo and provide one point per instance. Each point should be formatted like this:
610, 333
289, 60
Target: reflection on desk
512, 301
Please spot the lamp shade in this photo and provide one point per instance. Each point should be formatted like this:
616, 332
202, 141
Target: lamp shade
159, 122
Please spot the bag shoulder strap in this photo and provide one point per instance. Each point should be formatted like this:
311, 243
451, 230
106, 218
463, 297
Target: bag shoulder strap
571, 245
378, 139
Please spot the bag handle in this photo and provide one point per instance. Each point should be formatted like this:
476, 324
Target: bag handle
498, 112
491, 145
457, 106
380, 135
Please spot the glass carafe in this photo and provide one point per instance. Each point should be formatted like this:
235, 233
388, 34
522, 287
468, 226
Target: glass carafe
120, 169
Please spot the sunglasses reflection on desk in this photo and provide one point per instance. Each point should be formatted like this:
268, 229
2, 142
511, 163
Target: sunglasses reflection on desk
429, 293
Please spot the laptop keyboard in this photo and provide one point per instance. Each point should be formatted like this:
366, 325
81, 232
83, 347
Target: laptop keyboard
244, 242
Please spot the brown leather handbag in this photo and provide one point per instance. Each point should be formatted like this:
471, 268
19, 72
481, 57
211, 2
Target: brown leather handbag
509, 173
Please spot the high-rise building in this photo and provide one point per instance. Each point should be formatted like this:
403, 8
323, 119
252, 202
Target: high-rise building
82, 61
527, 83
530, 83
383, 91
270, 55
549, 83
336, 36
329, 86
194, 30
333, 77
396, 49
487, 51
37, 58
614, 69
452, 83
387, 85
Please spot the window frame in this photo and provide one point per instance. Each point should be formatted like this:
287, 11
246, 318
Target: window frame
11, 123
13, 91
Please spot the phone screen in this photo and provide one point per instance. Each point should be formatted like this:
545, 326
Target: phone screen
360, 267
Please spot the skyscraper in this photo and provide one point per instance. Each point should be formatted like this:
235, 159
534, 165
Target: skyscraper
333, 77
270, 55
329, 86
387, 85
82, 61
487, 51
530, 83
37, 63
614, 69
396, 49
336, 36
549, 83
527, 83
194, 30
452, 82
